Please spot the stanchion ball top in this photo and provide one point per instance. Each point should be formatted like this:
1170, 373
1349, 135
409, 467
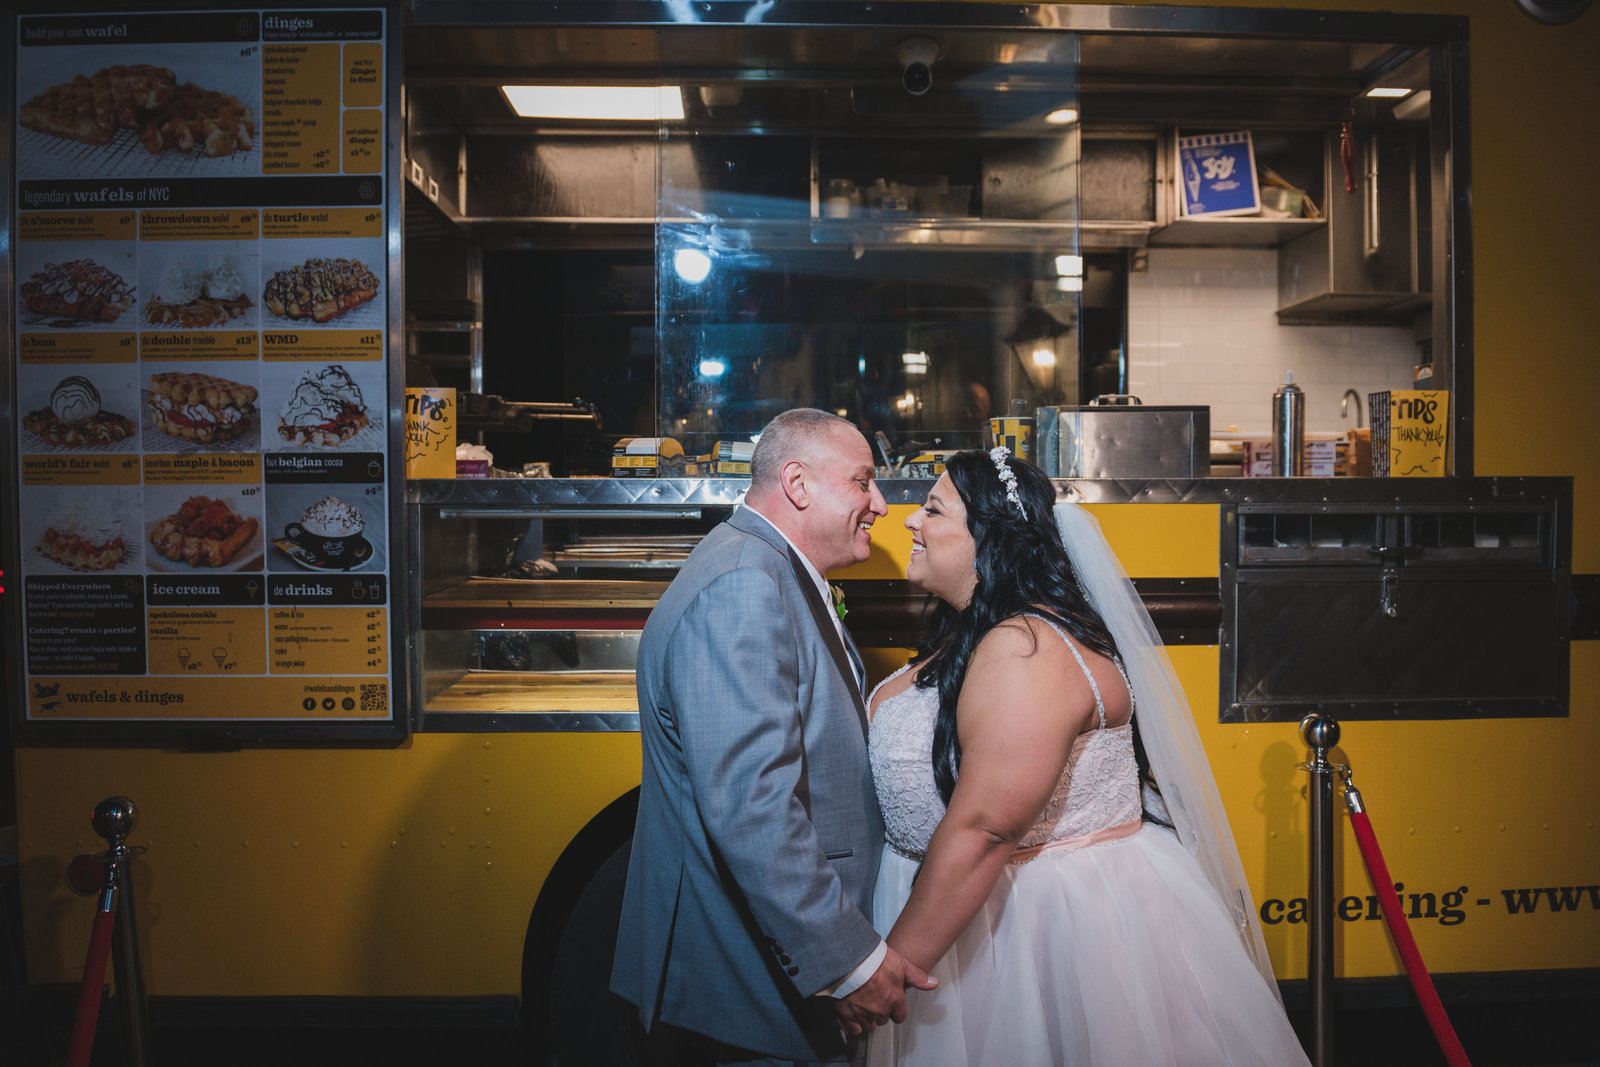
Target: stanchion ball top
114, 818
1319, 731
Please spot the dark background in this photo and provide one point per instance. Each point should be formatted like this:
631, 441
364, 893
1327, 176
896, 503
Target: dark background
1552, 1029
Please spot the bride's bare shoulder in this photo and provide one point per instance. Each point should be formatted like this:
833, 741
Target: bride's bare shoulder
1019, 636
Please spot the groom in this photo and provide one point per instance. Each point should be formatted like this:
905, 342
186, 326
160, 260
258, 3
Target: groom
744, 936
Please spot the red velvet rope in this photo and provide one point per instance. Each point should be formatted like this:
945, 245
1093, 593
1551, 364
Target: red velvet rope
94, 979
1394, 916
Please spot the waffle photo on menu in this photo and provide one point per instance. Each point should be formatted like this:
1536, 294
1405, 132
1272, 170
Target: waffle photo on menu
199, 297
200, 407
203, 532
320, 289
148, 101
79, 290
325, 409
75, 418
84, 534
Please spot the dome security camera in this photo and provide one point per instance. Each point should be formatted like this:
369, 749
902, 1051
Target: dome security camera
916, 55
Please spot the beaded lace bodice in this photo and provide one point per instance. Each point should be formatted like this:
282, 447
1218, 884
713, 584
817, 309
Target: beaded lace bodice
1099, 786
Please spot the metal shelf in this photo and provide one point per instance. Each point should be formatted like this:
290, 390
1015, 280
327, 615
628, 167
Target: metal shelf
922, 232
1233, 232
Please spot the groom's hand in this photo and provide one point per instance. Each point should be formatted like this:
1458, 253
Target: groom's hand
883, 996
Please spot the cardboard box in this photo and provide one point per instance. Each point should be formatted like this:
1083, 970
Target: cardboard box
926, 464
1410, 432
1359, 453
647, 457
1321, 459
430, 425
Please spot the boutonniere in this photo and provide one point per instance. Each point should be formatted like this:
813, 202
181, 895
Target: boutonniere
838, 601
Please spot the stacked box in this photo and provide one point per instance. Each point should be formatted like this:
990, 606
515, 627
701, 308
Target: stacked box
729, 459
724, 468
927, 464
1321, 459
647, 457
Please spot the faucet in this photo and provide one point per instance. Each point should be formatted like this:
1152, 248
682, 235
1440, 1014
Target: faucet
1344, 406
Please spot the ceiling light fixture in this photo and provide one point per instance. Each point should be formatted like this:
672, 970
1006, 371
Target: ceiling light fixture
1384, 92
1069, 266
625, 103
1061, 116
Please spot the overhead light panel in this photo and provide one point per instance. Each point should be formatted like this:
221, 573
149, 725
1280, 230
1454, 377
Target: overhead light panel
1068, 284
1062, 116
623, 103
1388, 92
1069, 266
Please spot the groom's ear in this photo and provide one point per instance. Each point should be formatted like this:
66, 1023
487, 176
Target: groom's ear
795, 479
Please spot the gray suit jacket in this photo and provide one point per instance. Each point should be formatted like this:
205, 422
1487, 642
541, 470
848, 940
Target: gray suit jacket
758, 835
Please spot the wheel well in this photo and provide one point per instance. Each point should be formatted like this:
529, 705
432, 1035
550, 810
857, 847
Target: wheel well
578, 862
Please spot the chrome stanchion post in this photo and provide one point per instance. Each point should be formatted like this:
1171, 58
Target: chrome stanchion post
114, 819
1320, 733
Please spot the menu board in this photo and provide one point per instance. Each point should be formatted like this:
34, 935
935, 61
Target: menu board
201, 391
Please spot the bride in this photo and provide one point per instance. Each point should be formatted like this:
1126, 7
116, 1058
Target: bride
1070, 917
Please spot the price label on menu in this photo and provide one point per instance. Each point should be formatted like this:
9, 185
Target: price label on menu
201, 247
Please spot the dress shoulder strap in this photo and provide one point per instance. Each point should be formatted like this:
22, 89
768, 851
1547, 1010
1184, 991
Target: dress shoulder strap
874, 694
1099, 704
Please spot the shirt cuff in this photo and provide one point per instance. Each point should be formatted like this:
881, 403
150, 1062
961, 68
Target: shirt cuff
858, 977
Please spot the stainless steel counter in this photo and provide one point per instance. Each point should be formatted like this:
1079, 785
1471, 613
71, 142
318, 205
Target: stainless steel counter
1281, 592
647, 494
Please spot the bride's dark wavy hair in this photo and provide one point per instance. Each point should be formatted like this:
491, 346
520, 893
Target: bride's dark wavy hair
1022, 569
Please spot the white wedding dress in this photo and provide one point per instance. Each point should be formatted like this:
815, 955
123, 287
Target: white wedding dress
1102, 943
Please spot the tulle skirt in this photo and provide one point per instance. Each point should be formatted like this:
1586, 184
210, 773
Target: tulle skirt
1116, 954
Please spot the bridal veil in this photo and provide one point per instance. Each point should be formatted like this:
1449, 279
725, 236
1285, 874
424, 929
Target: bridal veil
1166, 726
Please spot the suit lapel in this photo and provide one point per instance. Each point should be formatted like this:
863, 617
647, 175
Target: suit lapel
830, 632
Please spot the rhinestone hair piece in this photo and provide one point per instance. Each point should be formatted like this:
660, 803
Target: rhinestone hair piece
1008, 477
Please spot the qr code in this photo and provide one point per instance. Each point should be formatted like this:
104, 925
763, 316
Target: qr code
375, 697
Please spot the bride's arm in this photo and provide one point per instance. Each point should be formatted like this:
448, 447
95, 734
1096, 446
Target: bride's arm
1017, 717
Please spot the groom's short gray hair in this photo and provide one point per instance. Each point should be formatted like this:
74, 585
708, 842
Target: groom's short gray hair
795, 434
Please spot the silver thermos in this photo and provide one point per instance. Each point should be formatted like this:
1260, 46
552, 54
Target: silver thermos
1288, 430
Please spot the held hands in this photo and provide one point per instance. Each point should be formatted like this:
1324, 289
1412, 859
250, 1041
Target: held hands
883, 996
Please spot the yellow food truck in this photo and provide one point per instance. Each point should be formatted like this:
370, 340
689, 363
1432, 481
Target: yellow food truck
378, 719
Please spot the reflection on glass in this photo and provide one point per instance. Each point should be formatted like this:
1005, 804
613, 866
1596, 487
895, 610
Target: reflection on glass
856, 247
692, 265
